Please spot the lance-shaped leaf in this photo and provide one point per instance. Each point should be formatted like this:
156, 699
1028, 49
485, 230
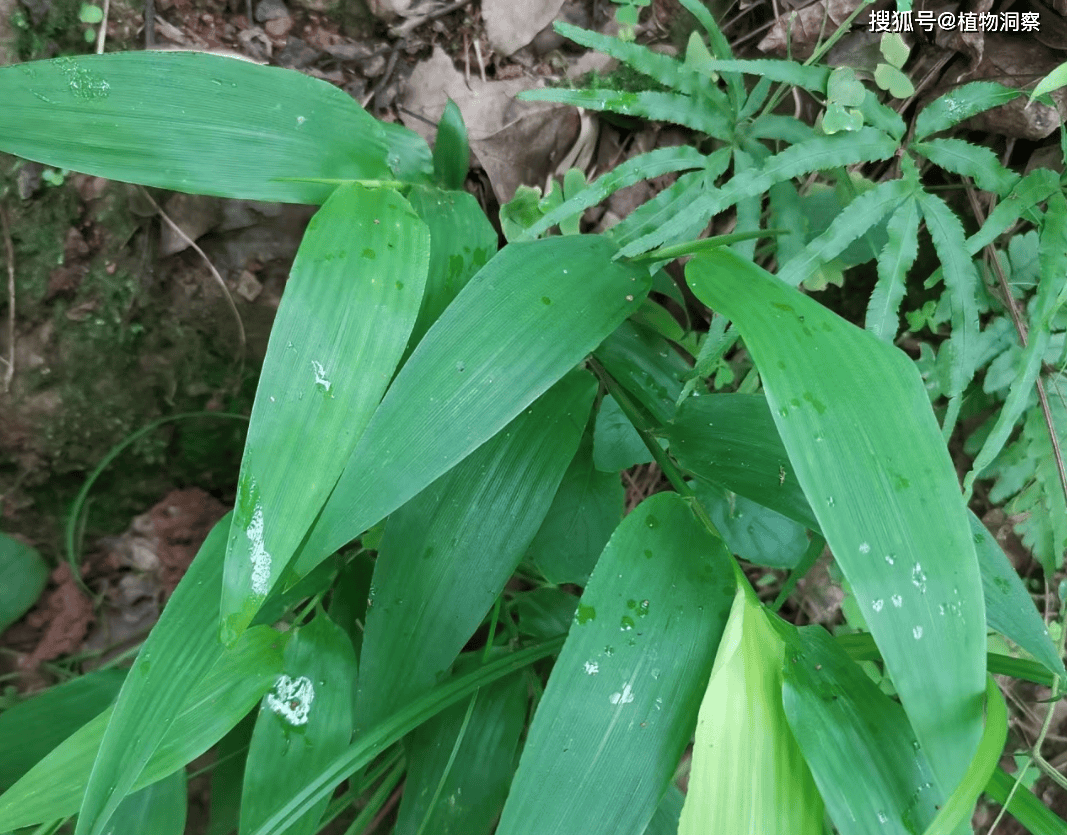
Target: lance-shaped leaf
529, 316
452, 151
447, 554
748, 773
304, 722
856, 421
962, 103
622, 700
195, 122
159, 808
344, 321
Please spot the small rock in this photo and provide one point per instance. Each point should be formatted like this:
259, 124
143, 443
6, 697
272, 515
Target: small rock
296, 55
278, 27
270, 10
248, 286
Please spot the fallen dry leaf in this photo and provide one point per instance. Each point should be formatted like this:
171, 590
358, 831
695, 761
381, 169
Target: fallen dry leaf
511, 26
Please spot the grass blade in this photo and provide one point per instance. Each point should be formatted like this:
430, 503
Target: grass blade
354, 291
452, 151
856, 420
622, 700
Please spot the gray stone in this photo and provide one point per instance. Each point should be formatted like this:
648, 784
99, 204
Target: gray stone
270, 10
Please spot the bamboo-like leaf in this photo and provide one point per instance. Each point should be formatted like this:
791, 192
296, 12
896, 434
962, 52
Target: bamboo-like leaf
23, 575
447, 554
622, 700
1050, 296
646, 366
961, 281
451, 151
968, 160
529, 316
856, 420
617, 445
354, 292
304, 722
212, 704
665, 821
822, 152
864, 757
960, 104
852, 222
159, 808
748, 774
894, 261
634, 170
676, 108
193, 122
228, 776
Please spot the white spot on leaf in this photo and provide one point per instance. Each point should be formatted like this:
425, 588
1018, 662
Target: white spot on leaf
865, 548
259, 556
291, 699
591, 668
917, 632
320, 375
898, 601
623, 698
877, 605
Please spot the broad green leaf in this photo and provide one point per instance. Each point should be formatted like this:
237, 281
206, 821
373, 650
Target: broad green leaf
215, 702
854, 220
893, 81
354, 292
676, 108
304, 722
816, 154
837, 119
894, 261
622, 699
1009, 608
647, 366
844, 88
529, 316
967, 160
451, 151
894, 49
1050, 291
31, 729
642, 167
462, 240
191, 121
856, 741
447, 554
960, 104
748, 774
616, 444
228, 776
786, 213
159, 808
585, 510
856, 421
480, 743
23, 575
349, 596
665, 821
731, 439
545, 612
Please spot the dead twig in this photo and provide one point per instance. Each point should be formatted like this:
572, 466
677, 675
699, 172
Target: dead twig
9, 374
414, 23
101, 36
384, 80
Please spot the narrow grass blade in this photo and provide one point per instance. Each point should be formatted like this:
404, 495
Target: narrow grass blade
856, 421
731, 439
159, 808
349, 306
23, 575
748, 774
894, 261
461, 763
191, 121
447, 554
960, 104
452, 151
31, 729
1032, 190
1024, 805
863, 755
462, 240
529, 316
968, 160
214, 703
622, 700
303, 723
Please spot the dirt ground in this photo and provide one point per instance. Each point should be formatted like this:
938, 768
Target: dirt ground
119, 322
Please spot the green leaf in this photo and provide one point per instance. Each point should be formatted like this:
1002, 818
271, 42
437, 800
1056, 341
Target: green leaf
843, 88
893, 81
159, 808
88, 13
529, 316
191, 121
810, 78
1031, 190
354, 291
622, 699
884, 491
960, 104
545, 612
857, 742
748, 774
586, 509
837, 119
31, 729
821, 152
211, 704
731, 440
23, 575
228, 776
451, 151
894, 50
617, 445
1053, 81
447, 554
967, 160
480, 741
894, 261
520, 213
647, 366
304, 722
